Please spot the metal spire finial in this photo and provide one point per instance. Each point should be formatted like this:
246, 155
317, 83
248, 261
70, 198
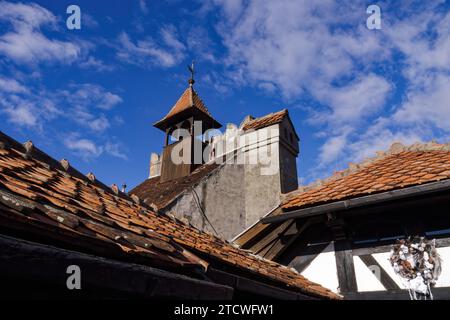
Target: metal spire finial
191, 69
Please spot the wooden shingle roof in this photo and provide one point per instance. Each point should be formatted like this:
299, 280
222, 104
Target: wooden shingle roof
40, 195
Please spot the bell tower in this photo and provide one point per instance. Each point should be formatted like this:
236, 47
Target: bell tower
183, 146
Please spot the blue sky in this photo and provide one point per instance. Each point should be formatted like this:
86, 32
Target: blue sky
91, 95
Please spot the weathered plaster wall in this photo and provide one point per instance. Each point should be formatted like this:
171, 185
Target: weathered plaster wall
262, 194
235, 196
222, 196
262, 181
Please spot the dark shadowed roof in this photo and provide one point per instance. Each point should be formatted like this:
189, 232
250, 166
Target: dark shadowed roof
161, 194
47, 198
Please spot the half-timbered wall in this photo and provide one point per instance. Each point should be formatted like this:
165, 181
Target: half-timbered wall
349, 252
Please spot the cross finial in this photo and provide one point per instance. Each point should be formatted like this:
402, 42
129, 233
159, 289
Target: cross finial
192, 71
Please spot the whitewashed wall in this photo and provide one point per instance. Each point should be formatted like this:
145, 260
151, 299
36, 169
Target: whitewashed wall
322, 270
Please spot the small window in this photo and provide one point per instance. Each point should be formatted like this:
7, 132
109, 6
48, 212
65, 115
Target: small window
291, 137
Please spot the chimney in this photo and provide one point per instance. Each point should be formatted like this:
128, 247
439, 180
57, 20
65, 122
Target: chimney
246, 120
155, 165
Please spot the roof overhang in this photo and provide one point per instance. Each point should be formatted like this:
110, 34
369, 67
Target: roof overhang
208, 121
373, 199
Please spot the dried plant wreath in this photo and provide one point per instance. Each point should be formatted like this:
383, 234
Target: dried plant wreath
417, 262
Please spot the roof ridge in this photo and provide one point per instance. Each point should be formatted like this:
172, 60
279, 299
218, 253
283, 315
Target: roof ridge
395, 148
187, 91
188, 99
30, 151
192, 92
201, 102
265, 120
285, 110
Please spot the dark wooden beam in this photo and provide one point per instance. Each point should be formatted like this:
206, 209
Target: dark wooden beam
257, 232
24, 259
301, 262
257, 288
283, 241
404, 194
272, 236
345, 267
385, 279
300, 232
381, 247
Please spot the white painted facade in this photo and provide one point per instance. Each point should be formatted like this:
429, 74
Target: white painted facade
323, 271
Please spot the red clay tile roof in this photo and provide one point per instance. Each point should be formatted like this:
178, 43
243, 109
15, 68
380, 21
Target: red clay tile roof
42, 196
398, 168
189, 99
161, 194
265, 121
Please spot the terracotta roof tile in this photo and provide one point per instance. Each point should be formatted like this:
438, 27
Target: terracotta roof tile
398, 168
43, 198
189, 99
265, 121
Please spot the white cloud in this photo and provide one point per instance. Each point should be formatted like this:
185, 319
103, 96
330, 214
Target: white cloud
147, 52
92, 63
25, 42
425, 42
85, 148
200, 44
427, 69
296, 44
88, 149
428, 106
91, 96
332, 149
84, 104
115, 149
24, 16
85, 118
353, 102
322, 52
21, 115
143, 6
25, 107
11, 85
169, 36
380, 136
231, 8
88, 21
